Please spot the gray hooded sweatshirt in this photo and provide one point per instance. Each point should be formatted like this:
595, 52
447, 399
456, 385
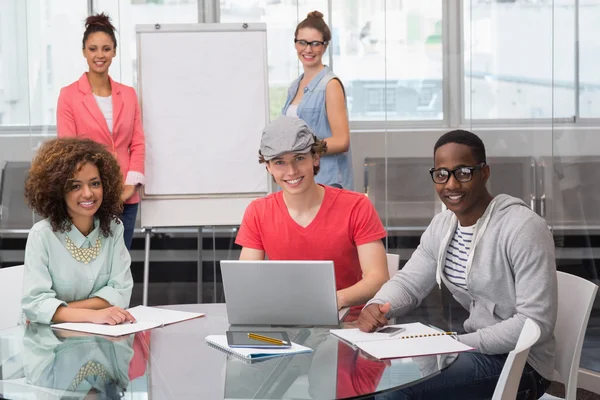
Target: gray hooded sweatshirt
510, 276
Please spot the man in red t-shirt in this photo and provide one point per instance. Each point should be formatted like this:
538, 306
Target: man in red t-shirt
307, 221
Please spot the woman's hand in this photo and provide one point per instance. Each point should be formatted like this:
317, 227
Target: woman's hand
128, 191
111, 316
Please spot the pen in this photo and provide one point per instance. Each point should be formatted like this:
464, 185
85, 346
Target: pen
428, 335
266, 339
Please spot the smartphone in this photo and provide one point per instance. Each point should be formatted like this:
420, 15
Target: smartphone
391, 330
241, 339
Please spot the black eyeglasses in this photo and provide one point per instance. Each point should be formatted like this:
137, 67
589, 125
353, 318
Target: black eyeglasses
461, 174
302, 44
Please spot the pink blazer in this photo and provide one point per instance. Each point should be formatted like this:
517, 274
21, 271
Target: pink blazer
78, 115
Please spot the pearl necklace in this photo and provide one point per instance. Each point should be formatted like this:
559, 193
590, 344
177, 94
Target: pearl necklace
92, 368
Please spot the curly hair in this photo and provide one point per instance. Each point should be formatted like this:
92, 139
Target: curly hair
319, 148
56, 164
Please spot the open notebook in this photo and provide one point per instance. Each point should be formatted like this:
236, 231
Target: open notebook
220, 341
383, 346
146, 318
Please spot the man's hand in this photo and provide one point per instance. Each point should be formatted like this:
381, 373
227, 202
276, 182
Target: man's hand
111, 316
373, 317
340, 301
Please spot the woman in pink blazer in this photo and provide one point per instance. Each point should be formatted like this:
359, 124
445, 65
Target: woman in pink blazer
97, 108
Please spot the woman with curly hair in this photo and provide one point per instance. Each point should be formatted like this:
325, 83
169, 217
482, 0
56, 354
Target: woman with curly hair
98, 108
76, 262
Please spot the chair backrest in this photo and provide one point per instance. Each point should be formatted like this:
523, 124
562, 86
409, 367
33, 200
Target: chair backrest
14, 211
401, 193
393, 262
508, 383
575, 298
11, 286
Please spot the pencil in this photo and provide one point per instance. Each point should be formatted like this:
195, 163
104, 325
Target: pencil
266, 339
428, 335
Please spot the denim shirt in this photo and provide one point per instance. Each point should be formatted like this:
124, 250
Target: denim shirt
335, 168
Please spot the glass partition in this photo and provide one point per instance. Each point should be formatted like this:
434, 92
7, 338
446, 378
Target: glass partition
520, 74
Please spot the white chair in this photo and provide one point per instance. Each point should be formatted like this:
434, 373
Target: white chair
508, 383
393, 262
11, 286
575, 299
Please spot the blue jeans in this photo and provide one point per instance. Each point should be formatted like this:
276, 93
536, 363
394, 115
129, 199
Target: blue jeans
472, 376
128, 219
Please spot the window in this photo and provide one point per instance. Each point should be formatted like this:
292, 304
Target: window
519, 60
389, 55
589, 49
40, 52
281, 18
127, 14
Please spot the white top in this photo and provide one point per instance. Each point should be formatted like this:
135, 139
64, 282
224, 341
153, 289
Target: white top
458, 254
105, 104
292, 111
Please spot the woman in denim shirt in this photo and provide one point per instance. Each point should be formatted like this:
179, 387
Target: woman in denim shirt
76, 262
318, 98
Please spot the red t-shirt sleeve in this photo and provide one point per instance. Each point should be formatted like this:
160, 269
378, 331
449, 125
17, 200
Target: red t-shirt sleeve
356, 375
366, 224
249, 234
141, 352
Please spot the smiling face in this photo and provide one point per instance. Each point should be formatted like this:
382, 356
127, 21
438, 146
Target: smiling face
310, 56
294, 172
462, 198
84, 195
99, 51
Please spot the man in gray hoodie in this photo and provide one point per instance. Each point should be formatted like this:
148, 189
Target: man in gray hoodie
496, 257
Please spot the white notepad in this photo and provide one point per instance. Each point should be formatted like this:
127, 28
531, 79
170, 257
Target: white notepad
220, 341
146, 318
383, 346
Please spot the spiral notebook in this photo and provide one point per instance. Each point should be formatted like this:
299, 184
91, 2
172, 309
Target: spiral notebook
417, 340
146, 318
247, 353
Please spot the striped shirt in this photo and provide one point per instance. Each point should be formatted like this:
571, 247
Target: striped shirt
457, 255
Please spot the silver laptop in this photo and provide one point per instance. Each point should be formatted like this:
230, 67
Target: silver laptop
280, 293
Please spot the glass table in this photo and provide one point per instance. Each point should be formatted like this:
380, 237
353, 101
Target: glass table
174, 362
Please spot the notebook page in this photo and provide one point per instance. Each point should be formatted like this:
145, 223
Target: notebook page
146, 318
355, 336
108, 330
414, 347
162, 315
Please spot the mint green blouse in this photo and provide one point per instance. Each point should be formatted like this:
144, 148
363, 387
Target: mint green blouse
53, 277
59, 363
